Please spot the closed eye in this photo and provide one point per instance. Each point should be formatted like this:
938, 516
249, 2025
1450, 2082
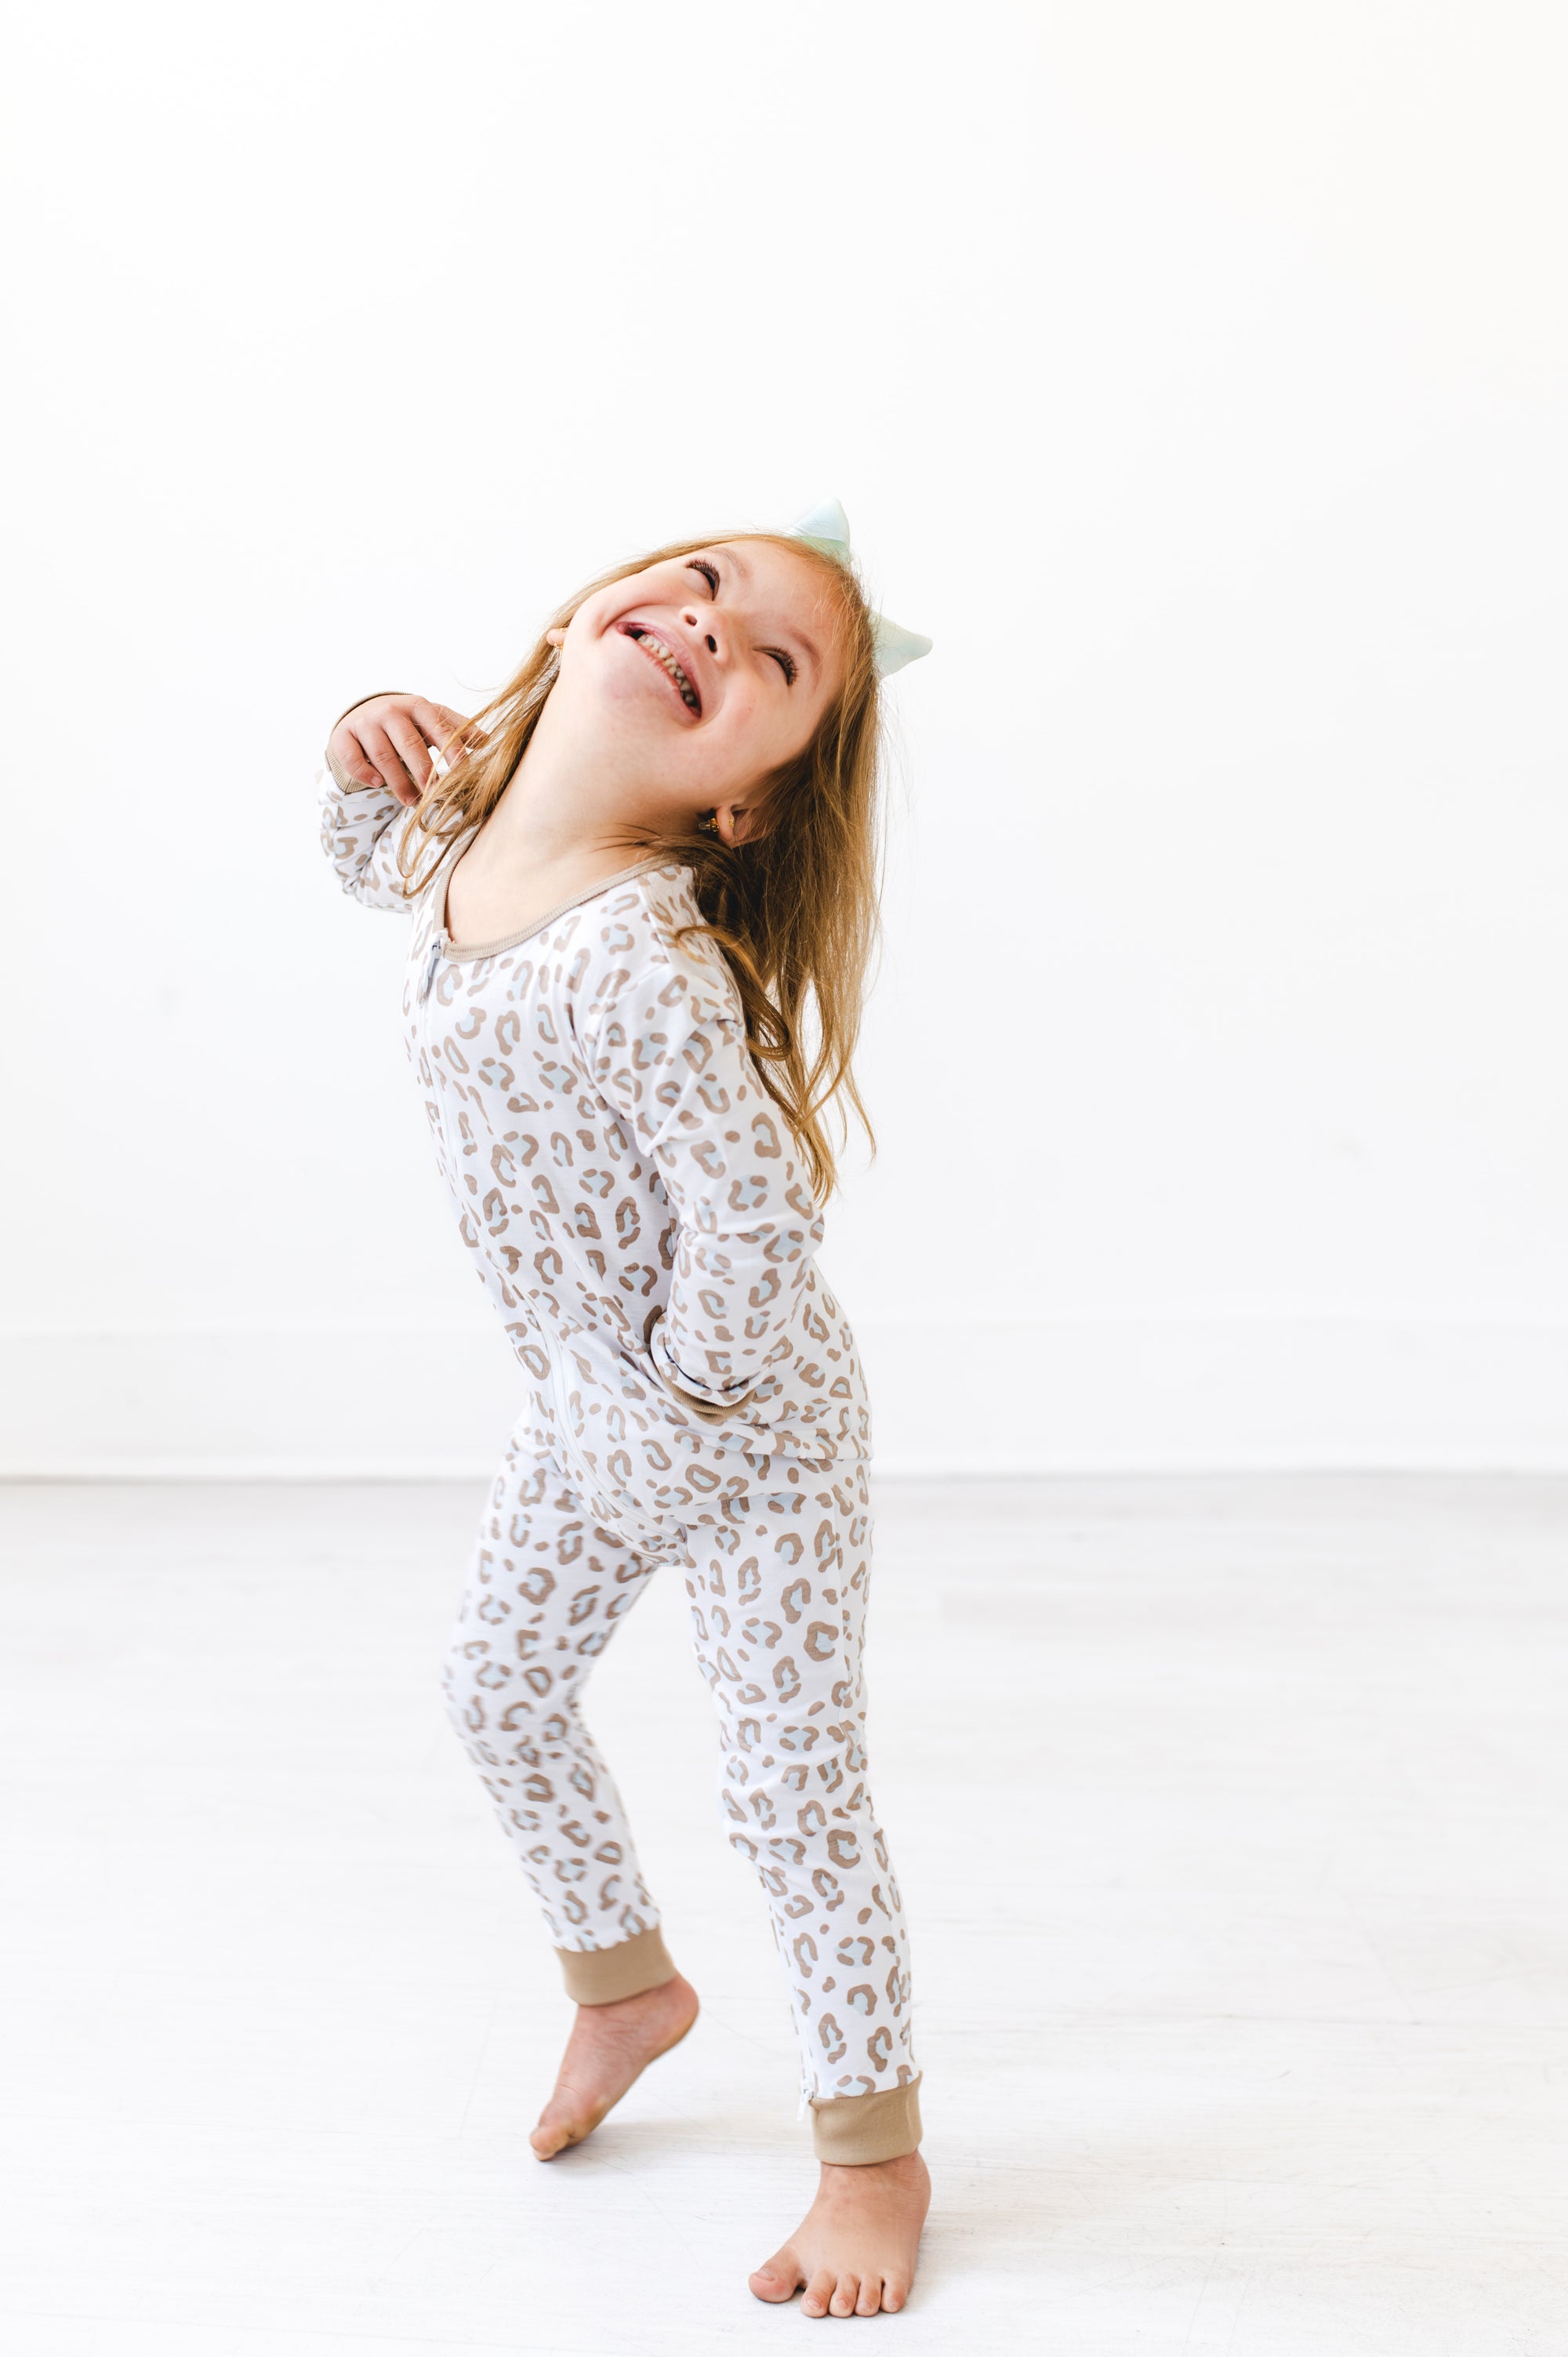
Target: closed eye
709, 572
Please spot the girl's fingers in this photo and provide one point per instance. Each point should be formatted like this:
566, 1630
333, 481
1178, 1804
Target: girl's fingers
437, 723
385, 760
387, 742
410, 744
345, 753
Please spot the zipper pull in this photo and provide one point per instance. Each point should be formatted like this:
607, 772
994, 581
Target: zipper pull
434, 960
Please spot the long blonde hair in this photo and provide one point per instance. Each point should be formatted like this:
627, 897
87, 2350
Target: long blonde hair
794, 909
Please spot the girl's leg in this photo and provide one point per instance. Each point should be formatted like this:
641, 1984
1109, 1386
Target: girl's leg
547, 1587
779, 1603
779, 1611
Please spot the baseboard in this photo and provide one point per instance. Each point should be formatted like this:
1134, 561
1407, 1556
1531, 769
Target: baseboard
950, 1398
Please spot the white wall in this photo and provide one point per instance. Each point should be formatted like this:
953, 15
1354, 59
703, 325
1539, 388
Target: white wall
1194, 375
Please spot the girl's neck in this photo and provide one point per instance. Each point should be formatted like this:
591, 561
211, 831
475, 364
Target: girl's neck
565, 822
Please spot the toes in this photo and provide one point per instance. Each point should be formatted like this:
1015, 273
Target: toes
844, 2296
567, 2119
894, 2295
819, 2291
778, 2279
870, 2298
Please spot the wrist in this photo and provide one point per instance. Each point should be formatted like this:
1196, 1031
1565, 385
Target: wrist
373, 698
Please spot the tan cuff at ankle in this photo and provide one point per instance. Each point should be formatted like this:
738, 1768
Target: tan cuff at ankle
600, 1975
855, 2130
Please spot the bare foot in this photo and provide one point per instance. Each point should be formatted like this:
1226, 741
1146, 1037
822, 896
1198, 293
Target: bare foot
855, 2249
610, 2046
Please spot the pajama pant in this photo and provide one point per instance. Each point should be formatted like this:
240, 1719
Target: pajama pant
777, 1587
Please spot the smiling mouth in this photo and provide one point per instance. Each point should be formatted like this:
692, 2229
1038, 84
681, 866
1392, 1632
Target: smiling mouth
662, 656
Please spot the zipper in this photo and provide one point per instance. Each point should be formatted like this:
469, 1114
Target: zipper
561, 1401
558, 1392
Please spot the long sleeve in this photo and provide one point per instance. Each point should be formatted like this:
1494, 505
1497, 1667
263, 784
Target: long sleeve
362, 827
669, 1051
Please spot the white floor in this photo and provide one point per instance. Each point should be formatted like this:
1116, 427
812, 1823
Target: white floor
1230, 1818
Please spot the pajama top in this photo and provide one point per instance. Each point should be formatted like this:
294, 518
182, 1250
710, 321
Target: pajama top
633, 1199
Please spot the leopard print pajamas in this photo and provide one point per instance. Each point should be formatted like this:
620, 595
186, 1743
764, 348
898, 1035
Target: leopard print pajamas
636, 1210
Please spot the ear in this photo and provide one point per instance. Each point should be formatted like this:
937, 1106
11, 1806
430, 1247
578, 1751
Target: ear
737, 822
555, 638
747, 821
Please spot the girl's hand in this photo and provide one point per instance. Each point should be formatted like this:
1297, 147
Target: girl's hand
387, 740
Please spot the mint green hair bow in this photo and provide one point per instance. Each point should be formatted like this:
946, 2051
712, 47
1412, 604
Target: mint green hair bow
827, 528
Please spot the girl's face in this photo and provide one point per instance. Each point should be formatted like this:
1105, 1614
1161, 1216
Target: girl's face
706, 674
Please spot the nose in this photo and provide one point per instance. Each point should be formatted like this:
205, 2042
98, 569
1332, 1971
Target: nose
691, 623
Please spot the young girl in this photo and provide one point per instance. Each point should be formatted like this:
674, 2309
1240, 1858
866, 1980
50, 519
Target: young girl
639, 880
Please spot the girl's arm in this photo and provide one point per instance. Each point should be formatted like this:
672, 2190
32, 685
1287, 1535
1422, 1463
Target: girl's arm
674, 1064
378, 765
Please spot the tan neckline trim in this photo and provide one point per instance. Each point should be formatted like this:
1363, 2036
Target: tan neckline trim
515, 941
